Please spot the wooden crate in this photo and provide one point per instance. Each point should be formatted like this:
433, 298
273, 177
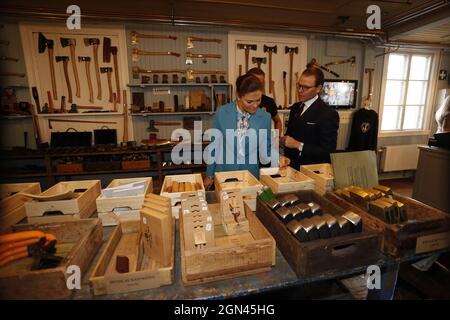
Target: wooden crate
290, 180
322, 174
175, 197
12, 209
144, 273
232, 256
247, 183
427, 230
80, 207
322, 256
77, 241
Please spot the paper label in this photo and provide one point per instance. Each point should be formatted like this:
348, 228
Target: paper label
433, 242
208, 227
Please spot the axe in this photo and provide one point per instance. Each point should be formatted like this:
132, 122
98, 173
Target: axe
368, 100
135, 53
259, 61
65, 61
94, 42
35, 93
291, 52
87, 63
116, 71
190, 41
314, 63
65, 42
285, 89
350, 60
190, 56
247, 48
50, 121
270, 51
108, 71
44, 43
135, 35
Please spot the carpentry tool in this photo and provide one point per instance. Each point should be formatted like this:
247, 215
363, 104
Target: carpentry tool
65, 61
291, 52
152, 125
314, 63
135, 53
270, 51
190, 73
4, 58
350, 60
246, 48
108, 71
125, 117
36, 99
114, 51
12, 74
44, 43
190, 41
135, 35
63, 105
259, 61
368, 100
50, 102
136, 70
296, 91
87, 61
106, 50
72, 43
77, 121
190, 56
6, 43
94, 42
285, 89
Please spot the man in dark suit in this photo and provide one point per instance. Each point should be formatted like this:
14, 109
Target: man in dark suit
311, 134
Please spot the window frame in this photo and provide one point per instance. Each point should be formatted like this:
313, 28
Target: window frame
428, 105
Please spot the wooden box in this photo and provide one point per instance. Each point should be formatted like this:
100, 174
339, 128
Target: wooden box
144, 273
285, 180
427, 229
69, 167
322, 174
12, 209
322, 256
245, 181
175, 197
232, 256
136, 164
77, 241
80, 207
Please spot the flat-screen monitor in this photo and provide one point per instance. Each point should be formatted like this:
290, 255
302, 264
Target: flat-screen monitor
339, 93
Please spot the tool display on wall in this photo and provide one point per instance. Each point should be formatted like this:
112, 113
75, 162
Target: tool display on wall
350, 60
95, 42
259, 61
291, 51
44, 43
247, 48
314, 63
87, 63
51, 120
108, 71
191, 39
136, 35
204, 56
270, 51
71, 43
4, 58
285, 90
65, 61
114, 52
135, 53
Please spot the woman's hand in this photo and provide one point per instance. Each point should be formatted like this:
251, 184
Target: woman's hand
284, 162
290, 142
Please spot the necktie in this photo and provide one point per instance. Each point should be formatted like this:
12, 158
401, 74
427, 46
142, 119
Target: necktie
300, 110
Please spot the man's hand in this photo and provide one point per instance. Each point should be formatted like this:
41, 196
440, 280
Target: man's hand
290, 142
208, 182
284, 162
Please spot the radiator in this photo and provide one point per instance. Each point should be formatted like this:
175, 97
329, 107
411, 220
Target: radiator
400, 157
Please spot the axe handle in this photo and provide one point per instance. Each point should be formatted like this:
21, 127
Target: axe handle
75, 71
50, 102
116, 75
258, 63
270, 72
291, 62
296, 91
125, 117
108, 75
247, 50
52, 72
88, 75
240, 70
97, 73
37, 131
273, 92
285, 92
205, 40
66, 75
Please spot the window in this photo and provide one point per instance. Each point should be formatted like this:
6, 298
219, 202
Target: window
406, 92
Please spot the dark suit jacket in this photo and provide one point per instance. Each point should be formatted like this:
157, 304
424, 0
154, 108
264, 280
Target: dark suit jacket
317, 128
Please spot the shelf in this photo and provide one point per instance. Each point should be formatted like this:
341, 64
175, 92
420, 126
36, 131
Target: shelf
184, 113
90, 173
79, 114
143, 85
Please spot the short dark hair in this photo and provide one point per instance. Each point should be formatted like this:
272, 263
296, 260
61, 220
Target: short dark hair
256, 71
247, 83
317, 73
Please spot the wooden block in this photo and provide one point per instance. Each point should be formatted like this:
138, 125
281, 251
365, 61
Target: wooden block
175, 187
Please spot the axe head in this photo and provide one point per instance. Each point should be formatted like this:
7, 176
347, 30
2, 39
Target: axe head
273, 49
62, 58
134, 37
189, 61
67, 42
84, 59
289, 50
106, 50
259, 60
247, 46
106, 70
43, 43
91, 41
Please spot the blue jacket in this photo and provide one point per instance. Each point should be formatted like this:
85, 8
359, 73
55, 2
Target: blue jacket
226, 118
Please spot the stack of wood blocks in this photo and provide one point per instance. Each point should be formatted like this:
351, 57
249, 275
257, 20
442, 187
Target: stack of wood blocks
183, 186
234, 220
197, 223
322, 174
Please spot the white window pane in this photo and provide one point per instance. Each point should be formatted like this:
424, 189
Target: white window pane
420, 68
413, 117
417, 92
394, 92
391, 117
398, 64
